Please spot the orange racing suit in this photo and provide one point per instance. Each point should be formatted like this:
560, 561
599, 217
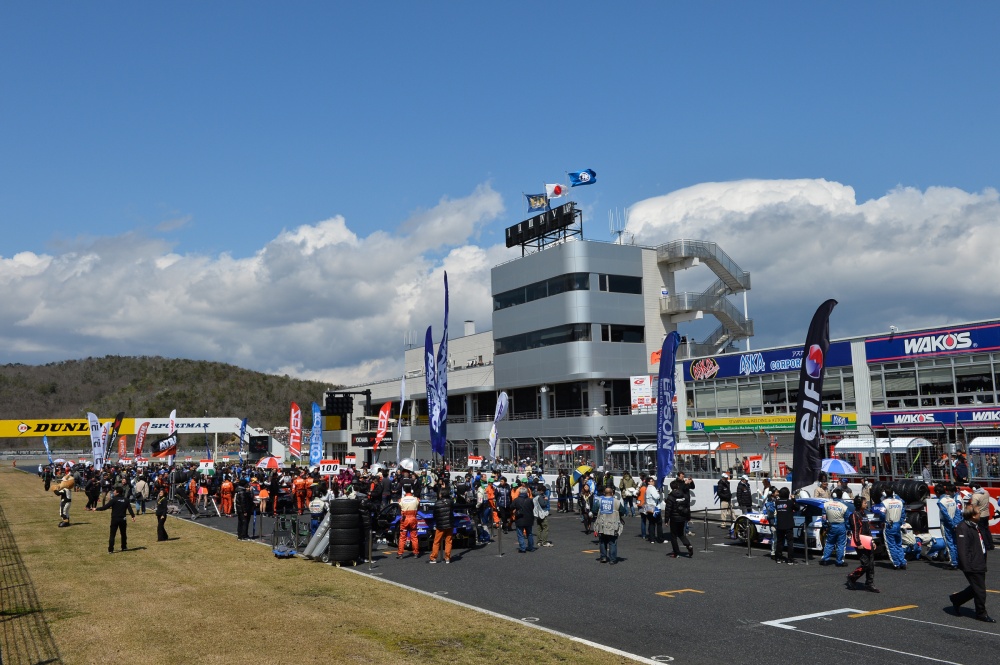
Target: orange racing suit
408, 506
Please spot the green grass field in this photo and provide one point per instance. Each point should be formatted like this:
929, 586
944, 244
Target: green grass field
207, 598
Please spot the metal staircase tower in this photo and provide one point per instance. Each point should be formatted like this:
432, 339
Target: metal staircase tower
734, 325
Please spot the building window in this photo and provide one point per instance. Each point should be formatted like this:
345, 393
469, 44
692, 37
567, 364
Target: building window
620, 284
578, 281
573, 332
611, 332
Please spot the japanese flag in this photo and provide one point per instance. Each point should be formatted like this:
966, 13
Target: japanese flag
556, 191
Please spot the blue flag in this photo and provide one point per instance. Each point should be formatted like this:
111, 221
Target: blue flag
585, 177
45, 442
316, 440
436, 377
243, 432
537, 202
666, 438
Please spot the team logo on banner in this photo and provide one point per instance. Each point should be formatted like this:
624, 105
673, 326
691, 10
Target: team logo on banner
295, 432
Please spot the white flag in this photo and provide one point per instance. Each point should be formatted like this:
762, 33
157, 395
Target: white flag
556, 191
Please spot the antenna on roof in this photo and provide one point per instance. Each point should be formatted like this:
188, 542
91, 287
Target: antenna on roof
617, 225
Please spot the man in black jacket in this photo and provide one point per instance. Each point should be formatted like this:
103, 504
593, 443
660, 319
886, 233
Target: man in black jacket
972, 562
244, 509
744, 498
161, 515
523, 509
677, 509
444, 523
118, 505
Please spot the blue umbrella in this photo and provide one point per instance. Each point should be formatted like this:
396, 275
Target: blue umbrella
837, 466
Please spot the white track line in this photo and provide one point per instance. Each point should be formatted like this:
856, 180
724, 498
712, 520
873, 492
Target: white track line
780, 623
497, 615
945, 625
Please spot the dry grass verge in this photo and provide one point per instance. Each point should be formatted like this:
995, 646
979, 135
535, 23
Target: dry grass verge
206, 598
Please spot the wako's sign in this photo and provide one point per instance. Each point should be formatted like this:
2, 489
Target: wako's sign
761, 362
933, 343
934, 417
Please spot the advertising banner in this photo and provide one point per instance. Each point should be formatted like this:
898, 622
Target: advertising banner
641, 389
761, 362
807, 451
776, 423
666, 434
295, 431
940, 342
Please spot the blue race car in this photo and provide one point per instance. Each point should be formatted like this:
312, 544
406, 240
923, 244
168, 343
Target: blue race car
388, 524
755, 527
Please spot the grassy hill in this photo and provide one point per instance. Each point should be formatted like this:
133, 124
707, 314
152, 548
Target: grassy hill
149, 387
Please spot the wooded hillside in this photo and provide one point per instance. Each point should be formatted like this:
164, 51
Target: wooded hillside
149, 387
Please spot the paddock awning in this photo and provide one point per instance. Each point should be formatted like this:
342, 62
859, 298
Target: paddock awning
881, 445
567, 448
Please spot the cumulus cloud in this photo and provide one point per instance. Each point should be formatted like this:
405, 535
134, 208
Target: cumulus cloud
326, 302
910, 258
318, 301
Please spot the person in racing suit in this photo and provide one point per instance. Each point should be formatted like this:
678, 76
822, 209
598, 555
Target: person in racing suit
768, 509
892, 521
226, 492
861, 535
408, 506
300, 490
836, 535
951, 516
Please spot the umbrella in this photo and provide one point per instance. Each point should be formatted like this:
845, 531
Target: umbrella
837, 466
269, 463
59, 461
578, 473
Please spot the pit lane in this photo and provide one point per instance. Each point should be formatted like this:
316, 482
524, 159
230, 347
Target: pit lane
719, 606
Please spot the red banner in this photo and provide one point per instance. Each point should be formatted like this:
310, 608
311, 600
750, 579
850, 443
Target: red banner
295, 432
122, 446
140, 439
383, 424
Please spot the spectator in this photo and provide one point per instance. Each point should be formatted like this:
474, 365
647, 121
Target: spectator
725, 495
523, 512
628, 489
743, 496
972, 562
444, 523
609, 524
677, 509
542, 507
654, 517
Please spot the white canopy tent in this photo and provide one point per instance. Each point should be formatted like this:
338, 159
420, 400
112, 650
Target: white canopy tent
883, 445
985, 444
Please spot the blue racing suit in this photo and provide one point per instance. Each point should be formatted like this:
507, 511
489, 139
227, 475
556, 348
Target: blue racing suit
772, 519
892, 521
951, 516
836, 536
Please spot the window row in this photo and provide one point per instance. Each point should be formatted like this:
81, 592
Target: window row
577, 281
771, 394
571, 332
924, 384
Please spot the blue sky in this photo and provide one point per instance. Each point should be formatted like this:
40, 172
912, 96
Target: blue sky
207, 129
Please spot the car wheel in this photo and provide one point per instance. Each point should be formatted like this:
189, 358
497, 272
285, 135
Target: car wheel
823, 531
744, 529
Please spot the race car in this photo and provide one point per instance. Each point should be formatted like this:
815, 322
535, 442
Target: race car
755, 527
388, 520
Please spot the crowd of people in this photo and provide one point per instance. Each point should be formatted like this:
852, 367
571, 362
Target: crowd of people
497, 506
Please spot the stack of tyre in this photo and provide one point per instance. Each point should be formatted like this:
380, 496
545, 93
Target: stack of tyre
913, 493
345, 531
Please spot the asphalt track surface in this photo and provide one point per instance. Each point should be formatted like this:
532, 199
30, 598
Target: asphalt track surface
718, 606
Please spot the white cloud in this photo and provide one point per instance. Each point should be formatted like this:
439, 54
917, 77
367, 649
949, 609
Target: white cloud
317, 301
910, 258
322, 301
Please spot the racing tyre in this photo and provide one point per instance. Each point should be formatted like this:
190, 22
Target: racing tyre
345, 521
340, 553
823, 531
345, 537
345, 507
744, 529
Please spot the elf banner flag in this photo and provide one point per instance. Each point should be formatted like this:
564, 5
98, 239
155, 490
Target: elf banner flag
140, 438
666, 437
316, 437
807, 449
96, 442
383, 424
295, 432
